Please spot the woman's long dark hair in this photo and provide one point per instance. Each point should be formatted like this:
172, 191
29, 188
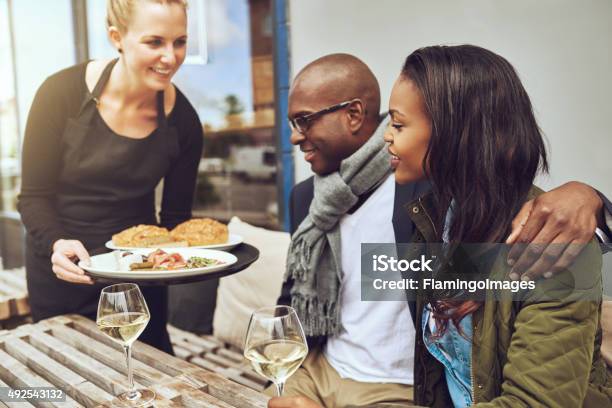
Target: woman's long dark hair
485, 147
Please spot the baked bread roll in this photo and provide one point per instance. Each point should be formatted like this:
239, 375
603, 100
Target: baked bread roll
200, 231
142, 236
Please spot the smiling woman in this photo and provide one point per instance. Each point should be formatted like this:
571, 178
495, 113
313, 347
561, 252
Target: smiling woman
100, 137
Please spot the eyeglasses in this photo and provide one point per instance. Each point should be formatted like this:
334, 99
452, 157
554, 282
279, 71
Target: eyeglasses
301, 123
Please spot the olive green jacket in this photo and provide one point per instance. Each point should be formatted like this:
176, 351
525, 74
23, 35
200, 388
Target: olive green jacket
528, 353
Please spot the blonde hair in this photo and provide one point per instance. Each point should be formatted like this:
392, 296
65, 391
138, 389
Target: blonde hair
119, 12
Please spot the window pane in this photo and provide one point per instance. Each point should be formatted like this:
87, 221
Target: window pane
234, 96
99, 44
42, 45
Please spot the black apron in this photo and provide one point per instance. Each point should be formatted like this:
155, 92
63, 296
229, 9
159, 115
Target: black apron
106, 184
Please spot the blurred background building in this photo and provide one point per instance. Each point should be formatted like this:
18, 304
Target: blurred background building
243, 53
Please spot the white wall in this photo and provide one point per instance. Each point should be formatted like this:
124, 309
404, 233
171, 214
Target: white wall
562, 50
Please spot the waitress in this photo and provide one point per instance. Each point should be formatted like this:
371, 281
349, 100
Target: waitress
100, 137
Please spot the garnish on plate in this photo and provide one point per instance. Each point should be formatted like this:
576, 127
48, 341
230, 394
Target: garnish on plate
161, 260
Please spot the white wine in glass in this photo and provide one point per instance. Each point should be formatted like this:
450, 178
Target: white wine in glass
275, 344
123, 315
123, 327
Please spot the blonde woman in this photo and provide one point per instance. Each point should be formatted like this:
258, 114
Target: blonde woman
99, 138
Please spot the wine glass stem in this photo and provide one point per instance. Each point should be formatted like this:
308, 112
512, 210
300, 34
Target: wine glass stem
132, 394
279, 388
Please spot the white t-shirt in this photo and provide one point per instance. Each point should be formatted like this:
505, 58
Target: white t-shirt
378, 344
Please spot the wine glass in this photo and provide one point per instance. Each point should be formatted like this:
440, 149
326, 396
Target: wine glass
123, 315
275, 344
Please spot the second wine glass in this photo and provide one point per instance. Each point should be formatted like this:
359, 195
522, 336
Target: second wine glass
275, 343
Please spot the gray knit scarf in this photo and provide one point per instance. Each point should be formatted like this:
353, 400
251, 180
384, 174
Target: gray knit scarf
314, 259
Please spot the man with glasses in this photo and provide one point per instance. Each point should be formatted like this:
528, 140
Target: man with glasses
361, 353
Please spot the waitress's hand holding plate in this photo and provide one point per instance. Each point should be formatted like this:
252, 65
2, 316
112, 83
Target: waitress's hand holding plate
65, 252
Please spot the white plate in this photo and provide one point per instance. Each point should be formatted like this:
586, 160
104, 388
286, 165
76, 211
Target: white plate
232, 241
107, 265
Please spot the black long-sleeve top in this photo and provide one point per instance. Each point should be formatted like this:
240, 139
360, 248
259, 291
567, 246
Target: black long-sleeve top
47, 183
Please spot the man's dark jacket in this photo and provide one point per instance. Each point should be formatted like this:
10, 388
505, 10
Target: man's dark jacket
301, 197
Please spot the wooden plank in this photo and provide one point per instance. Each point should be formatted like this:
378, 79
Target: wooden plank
182, 353
209, 365
10, 291
234, 394
253, 376
235, 371
159, 402
104, 377
15, 278
71, 353
211, 354
163, 362
208, 343
240, 378
192, 348
7, 290
170, 390
18, 375
164, 403
232, 355
41, 363
211, 339
72, 383
197, 399
222, 361
5, 307
21, 305
110, 357
182, 393
236, 375
19, 331
23, 329
90, 394
14, 404
13, 294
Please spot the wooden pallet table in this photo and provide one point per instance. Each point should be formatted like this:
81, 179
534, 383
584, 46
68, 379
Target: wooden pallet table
69, 352
211, 353
13, 296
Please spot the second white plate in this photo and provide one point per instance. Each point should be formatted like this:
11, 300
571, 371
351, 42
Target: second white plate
233, 240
